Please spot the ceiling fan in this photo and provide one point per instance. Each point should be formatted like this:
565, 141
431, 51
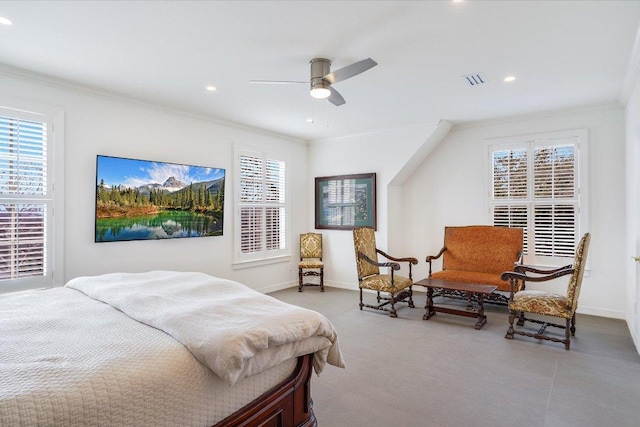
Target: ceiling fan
322, 78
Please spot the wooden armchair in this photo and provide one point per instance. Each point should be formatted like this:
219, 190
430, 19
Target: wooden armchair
547, 303
397, 287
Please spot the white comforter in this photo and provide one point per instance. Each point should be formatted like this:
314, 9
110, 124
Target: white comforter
234, 330
70, 360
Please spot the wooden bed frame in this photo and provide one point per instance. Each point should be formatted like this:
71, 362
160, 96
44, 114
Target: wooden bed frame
288, 404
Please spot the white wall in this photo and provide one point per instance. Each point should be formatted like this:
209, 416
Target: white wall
451, 189
386, 154
633, 211
99, 124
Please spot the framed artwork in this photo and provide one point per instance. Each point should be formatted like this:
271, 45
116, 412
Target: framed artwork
345, 202
146, 200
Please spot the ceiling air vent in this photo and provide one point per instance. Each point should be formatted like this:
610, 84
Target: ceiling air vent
475, 79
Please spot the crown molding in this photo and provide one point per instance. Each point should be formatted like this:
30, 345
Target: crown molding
633, 73
608, 106
30, 76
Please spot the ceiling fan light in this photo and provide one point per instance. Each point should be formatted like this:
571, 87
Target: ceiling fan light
320, 92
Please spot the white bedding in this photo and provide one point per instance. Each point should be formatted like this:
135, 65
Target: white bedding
234, 330
94, 365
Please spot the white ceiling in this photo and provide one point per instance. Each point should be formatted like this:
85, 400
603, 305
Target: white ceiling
565, 54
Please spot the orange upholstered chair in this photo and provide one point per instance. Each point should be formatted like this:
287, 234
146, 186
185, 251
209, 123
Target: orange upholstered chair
479, 254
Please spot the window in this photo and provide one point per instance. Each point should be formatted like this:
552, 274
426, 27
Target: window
536, 185
26, 200
262, 207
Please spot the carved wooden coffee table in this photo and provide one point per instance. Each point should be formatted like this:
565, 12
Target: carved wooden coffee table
480, 291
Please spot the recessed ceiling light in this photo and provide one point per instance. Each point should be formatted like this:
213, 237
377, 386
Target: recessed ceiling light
309, 120
457, 1
5, 21
509, 78
211, 88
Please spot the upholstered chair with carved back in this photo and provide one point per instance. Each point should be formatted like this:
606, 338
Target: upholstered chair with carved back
311, 263
547, 303
394, 287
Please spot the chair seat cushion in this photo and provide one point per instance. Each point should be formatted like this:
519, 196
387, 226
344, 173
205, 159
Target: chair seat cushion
382, 282
472, 277
311, 263
541, 302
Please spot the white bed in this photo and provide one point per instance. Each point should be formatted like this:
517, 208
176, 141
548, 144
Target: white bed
72, 359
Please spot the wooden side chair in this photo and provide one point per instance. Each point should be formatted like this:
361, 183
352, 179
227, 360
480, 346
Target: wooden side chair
397, 287
310, 260
547, 303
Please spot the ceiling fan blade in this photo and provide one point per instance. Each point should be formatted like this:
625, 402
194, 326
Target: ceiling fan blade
349, 71
335, 98
277, 82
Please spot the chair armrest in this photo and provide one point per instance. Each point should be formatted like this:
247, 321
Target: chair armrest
410, 260
515, 277
527, 268
432, 257
392, 265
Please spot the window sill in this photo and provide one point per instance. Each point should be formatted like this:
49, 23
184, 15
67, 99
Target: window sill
238, 265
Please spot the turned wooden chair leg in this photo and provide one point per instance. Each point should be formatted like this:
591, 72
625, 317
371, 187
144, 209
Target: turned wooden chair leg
521, 319
392, 302
512, 317
573, 325
299, 280
322, 280
361, 304
567, 335
411, 304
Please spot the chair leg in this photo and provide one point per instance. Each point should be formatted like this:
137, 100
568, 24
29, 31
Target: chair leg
567, 335
378, 296
322, 280
299, 280
521, 319
512, 317
392, 302
361, 304
411, 304
573, 325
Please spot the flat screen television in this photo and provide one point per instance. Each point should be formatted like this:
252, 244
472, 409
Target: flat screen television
148, 200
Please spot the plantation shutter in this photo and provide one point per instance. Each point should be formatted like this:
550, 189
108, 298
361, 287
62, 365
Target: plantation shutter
535, 187
24, 197
555, 198
262, 205
510, 190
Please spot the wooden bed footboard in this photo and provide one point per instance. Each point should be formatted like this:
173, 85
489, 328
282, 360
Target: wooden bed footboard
288, 404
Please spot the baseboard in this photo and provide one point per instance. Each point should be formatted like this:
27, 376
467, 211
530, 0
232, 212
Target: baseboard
278, 287
593, 311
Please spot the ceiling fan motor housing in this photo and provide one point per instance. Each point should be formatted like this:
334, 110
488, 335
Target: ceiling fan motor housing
320, 67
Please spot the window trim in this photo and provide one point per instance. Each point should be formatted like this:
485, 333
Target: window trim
54, 117
582, 220
263, 257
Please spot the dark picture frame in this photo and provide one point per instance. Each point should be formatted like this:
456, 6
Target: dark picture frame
345, 202
151, 200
